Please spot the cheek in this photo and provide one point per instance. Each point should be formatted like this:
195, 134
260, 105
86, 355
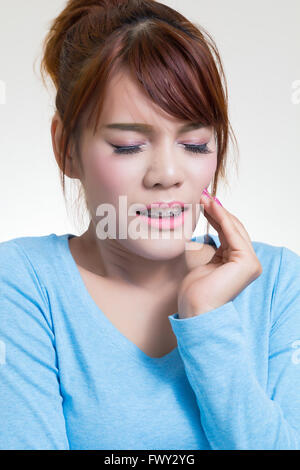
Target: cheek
106, 176
211, 166
204, 170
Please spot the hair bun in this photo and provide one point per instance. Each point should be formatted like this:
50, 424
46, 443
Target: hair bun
74, 11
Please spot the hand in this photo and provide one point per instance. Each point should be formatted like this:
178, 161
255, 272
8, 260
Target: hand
233, 267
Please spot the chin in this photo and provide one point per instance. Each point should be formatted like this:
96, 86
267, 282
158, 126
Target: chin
157, 249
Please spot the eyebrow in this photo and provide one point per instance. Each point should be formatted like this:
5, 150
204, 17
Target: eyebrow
148, 130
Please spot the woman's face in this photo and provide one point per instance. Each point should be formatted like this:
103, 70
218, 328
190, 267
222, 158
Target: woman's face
161, 169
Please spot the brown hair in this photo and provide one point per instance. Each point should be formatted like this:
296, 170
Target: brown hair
175, 61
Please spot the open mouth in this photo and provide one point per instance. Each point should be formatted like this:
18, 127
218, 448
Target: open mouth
162, 214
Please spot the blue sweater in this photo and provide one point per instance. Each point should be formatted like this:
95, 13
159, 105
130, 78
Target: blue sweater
70, 380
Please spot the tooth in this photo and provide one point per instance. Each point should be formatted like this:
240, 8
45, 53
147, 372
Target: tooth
155, 213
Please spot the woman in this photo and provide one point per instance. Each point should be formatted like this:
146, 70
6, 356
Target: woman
136, 342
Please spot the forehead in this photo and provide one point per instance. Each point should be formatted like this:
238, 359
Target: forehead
126, 101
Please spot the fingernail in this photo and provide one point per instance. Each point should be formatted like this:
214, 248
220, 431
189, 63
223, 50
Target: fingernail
217, 201
206, 193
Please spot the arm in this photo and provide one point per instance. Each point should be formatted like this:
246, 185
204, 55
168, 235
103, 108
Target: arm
236, 412
31, 413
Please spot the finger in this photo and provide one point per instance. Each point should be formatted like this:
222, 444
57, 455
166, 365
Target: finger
242, 230
225, 224
240, 227
217, 227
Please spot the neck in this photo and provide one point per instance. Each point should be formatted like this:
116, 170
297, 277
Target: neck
112, 259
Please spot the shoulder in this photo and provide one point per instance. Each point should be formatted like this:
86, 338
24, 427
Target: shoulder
36, 251
279, 284
23, 254
286, 293
269, 255
277, 290
25, 246
281, 266
23, 263
281, 269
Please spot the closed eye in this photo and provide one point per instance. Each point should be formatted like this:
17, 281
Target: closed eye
137, 148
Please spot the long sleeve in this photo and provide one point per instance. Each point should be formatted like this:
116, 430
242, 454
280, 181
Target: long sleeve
235, 411
31, 412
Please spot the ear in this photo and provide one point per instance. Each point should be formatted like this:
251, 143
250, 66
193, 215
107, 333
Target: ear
71, 169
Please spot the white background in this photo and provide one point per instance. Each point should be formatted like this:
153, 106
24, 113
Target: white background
259, 43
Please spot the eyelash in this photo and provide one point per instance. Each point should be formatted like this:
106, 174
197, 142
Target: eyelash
136, 149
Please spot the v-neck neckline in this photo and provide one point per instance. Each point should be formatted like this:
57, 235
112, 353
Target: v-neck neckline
116, 335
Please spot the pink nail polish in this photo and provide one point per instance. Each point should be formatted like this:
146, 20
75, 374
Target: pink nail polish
206, 193
217, 201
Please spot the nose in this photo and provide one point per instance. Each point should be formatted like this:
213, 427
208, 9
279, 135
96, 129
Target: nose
164, 169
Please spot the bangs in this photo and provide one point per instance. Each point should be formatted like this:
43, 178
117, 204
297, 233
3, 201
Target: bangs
170, 68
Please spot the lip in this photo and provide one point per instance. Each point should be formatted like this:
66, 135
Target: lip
165, 204
162, 204
164, 223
